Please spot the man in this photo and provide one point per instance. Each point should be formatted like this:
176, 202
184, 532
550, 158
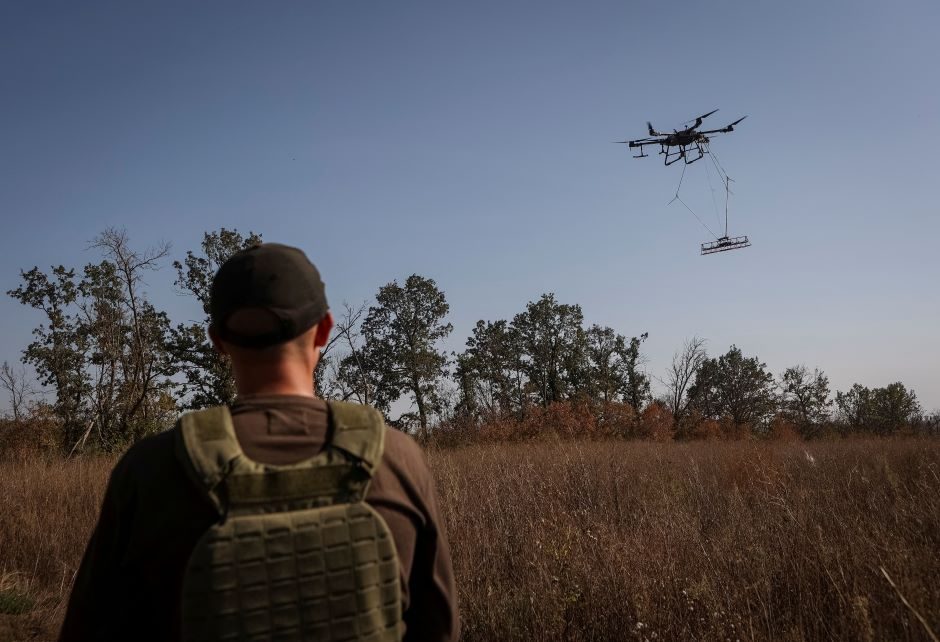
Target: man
270, 317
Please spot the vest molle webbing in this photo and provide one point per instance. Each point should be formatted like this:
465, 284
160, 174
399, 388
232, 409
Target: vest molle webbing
298, 554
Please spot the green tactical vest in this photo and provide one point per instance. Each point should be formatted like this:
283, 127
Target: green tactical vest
297, 553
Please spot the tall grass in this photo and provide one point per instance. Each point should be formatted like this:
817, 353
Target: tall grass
48, 507
702, 541
612, 540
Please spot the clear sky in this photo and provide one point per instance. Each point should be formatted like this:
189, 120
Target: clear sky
471, 142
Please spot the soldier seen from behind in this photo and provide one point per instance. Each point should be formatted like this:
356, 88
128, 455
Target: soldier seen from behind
281, 517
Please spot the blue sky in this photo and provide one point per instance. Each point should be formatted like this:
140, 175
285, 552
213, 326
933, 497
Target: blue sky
471, 143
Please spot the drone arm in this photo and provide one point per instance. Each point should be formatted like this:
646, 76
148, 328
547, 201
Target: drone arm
725, 130
641, 142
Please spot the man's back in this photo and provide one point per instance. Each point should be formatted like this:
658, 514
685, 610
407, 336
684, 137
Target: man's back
130, 580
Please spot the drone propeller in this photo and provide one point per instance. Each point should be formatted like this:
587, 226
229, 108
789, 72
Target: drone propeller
724, 130
699, 119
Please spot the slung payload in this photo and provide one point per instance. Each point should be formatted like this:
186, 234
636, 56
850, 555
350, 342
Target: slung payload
690, 144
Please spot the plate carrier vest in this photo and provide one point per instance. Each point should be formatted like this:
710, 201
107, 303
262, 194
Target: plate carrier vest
297, 553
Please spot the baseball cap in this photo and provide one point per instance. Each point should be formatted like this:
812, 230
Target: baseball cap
278, 279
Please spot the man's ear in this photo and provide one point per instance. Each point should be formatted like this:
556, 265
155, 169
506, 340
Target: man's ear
216, 342
323, 330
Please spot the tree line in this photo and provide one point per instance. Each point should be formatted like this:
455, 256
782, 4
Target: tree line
114, 368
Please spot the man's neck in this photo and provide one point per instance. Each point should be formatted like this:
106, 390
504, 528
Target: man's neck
275, 388
277, 381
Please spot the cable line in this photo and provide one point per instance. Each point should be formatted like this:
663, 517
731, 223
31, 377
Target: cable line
712, 190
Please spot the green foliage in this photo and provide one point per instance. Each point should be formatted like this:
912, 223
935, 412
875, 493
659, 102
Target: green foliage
551, 340
118, 369
883, 410
545, 356
207, 376
735, 387
401, 334
57, 350
635, 389
103, 348
489, 372
804, 398
614, 372
13, 602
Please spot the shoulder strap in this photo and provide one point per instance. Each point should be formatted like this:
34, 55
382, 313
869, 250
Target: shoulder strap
359, 431
209, 444
207, 441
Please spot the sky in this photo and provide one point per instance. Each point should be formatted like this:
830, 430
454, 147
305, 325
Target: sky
472, 143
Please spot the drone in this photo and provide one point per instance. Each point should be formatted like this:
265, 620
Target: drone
689, 140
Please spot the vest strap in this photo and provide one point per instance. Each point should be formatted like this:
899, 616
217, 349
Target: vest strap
359, 431
340, 473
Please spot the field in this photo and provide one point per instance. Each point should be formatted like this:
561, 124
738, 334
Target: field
609, 540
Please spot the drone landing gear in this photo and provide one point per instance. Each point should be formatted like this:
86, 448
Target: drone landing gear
682, 154
724, 243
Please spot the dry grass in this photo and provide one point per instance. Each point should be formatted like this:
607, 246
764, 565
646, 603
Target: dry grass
703, 541
612, 540
48, 508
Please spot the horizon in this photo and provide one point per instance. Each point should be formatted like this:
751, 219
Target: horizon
473, 146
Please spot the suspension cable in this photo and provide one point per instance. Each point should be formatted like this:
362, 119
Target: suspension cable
727, 181
679, 186
712, 190
716, 161
677, 198
697, 217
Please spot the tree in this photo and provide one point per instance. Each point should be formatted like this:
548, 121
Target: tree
57, 351
401, 333
349, 374
894, 407
636, 384
681, 375
604, 348
124, 316
855, 406
733, 386
883, 410
614, 372
804, 398
104, 346
207, 375
16, 384
490, 372
551, 340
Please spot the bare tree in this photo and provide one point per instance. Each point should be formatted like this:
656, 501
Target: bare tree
681, 374
349, 376
14, 381
144, 361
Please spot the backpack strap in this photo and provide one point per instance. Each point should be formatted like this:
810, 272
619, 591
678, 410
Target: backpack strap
206, 441
340, 473
358, 431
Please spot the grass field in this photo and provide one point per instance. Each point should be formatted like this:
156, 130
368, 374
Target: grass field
609, 540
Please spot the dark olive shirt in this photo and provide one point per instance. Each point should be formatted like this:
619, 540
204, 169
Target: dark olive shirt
129, 583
